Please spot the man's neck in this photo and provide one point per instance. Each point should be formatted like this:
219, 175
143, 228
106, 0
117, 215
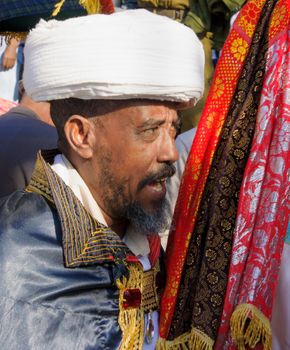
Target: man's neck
119, 228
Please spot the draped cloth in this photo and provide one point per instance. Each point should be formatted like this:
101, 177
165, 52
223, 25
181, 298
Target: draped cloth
234, 186
263, 211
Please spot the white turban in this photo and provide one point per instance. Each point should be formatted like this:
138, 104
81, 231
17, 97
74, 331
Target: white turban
129, 54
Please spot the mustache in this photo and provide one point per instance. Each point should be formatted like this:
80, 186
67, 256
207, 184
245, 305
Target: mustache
167, 170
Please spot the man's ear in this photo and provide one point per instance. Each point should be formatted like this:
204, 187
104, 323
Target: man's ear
80, 136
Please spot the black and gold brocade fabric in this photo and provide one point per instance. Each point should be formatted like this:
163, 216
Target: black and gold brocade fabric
204, 280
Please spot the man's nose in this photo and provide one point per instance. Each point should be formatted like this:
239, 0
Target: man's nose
168, 151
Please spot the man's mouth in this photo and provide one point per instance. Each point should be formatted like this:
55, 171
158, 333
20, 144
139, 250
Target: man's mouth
155, 184
158, 185
158, 181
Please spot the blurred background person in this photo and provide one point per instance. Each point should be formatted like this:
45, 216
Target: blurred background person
6, 105
23, 131
11, 62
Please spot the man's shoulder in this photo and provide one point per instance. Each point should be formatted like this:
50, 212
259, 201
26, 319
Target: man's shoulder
18, 200
27, 223
23, 209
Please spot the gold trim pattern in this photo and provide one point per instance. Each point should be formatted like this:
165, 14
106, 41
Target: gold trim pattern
131, 320
194, 340
150, 296
249, 326
85, 240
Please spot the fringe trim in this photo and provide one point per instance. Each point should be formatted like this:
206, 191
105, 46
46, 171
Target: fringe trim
194, 340
249, 326
91, 6
131, 321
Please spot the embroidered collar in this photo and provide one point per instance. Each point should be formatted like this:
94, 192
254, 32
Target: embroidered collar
85, 240
134, 240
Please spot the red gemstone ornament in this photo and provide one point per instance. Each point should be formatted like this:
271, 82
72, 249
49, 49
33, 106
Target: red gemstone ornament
132, 298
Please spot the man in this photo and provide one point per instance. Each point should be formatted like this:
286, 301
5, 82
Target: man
79, 250
23, 131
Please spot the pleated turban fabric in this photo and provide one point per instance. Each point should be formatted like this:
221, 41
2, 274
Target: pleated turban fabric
125, 55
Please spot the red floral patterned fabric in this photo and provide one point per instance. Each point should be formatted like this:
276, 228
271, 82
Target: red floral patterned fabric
263, 211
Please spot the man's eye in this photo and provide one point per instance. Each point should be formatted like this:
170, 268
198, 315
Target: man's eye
151, 130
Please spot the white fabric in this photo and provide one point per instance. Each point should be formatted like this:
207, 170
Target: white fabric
138, 244
233, 18
280, 323
129, 54
183, 145
71, 178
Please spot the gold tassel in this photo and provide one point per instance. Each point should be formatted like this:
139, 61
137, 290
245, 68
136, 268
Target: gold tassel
131, 320
57, 8
91, 6
249, 326
194, 340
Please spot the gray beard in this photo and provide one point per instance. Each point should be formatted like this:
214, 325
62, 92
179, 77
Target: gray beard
151, 223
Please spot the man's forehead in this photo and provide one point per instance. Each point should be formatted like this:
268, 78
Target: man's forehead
157, 111
153, 113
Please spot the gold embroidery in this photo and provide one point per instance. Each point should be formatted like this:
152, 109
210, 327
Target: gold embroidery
85, 240
150, 297
131, 320
39, 183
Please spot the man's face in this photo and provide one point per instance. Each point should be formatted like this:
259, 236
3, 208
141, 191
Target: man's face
133, 157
